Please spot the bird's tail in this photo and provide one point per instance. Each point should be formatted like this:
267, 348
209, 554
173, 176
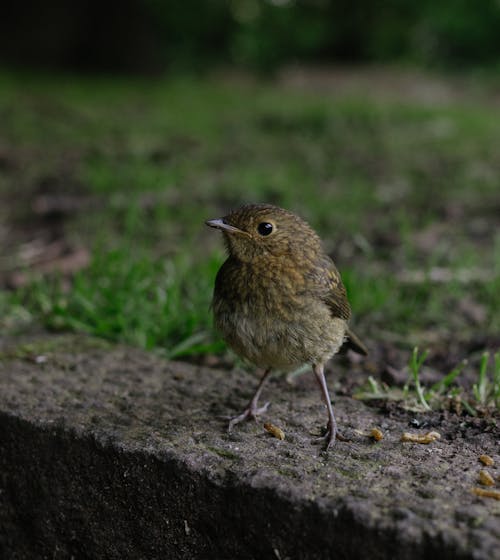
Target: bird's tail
354, 343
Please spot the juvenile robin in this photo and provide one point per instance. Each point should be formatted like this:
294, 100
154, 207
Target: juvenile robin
279, 301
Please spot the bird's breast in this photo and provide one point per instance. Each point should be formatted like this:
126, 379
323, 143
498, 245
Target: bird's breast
267, 316
270, 288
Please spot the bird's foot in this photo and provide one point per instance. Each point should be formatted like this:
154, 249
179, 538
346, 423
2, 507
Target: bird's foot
330, 436
251, 412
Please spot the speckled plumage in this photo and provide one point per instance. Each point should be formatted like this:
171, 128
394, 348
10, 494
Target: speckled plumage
279, 301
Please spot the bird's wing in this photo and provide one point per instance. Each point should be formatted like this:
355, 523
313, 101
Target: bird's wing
327, 280
330, 288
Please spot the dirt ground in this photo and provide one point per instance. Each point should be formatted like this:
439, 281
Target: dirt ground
420, 493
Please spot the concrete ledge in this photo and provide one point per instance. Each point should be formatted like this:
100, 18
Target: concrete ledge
111, 453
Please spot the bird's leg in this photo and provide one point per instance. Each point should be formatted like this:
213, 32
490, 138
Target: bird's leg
331, 427
251, 411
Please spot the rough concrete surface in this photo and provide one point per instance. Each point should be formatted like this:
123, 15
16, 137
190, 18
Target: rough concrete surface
109, 452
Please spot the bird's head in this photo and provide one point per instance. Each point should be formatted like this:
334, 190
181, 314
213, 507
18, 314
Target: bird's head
257, 231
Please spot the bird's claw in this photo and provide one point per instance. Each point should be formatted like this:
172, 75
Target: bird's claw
250, 413
330, 436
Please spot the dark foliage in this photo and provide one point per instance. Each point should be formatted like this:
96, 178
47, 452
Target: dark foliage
151, 36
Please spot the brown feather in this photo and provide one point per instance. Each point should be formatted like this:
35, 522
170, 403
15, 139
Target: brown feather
354, 343
326, 277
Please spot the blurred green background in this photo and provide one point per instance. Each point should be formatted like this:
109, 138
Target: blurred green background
124, 125
150, 36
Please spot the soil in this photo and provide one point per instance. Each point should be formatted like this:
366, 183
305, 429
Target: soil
420, 494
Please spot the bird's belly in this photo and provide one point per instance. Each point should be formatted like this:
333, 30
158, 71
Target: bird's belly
267, 341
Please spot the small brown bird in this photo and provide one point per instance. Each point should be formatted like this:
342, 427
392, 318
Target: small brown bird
279, 301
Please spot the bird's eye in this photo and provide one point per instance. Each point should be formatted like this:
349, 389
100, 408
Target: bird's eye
265, 228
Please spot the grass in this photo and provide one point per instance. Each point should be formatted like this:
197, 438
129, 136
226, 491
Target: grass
487, 391
146, 303
155, 159
416, 362
449, 391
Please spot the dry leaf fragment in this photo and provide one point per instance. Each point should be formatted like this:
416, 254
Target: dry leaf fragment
429, 437
486, 493
486, 479
274, 430
487, 460
376, 434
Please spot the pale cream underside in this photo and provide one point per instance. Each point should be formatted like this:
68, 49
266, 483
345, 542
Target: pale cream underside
313, 338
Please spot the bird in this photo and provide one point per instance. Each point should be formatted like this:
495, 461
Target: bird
279, 301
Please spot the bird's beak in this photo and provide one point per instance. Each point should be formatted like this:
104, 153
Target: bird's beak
219, 223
